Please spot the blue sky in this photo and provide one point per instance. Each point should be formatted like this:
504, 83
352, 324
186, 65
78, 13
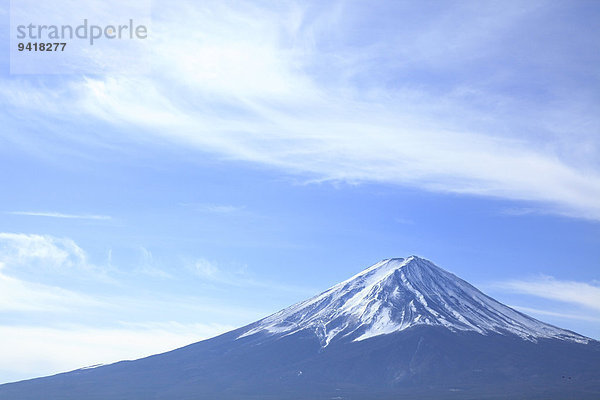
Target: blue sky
270, 152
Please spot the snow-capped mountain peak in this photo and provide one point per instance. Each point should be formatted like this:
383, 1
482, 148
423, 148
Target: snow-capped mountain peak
397, 294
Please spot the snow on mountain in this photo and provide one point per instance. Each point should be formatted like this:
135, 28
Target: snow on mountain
396, 294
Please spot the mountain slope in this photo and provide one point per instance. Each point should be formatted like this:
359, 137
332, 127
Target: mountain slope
402, 328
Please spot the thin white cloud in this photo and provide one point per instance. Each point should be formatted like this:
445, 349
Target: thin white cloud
564, 315
358, 142
33, 257
252, 92
215, 208
22, 296
211, 271
148, 266
19, 250
220, 208
60, 215
577, 293
207, 270
26, 259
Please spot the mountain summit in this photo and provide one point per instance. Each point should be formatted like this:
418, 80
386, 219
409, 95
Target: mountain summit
400, 293
401, 329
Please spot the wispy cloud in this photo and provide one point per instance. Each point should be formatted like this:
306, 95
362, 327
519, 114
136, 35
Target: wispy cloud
36, 258
215, 208
537, 311
20, 250
60, 215
207, 270
211, 271
27, 260
148, 266
290, 94
573, 292
23, 296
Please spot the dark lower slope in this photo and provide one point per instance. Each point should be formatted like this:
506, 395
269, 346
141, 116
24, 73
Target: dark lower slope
422, 362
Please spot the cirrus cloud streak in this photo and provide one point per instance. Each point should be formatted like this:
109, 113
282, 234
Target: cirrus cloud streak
270, 93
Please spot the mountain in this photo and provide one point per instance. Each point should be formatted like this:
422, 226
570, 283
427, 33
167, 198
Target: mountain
397, 294
401, 329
